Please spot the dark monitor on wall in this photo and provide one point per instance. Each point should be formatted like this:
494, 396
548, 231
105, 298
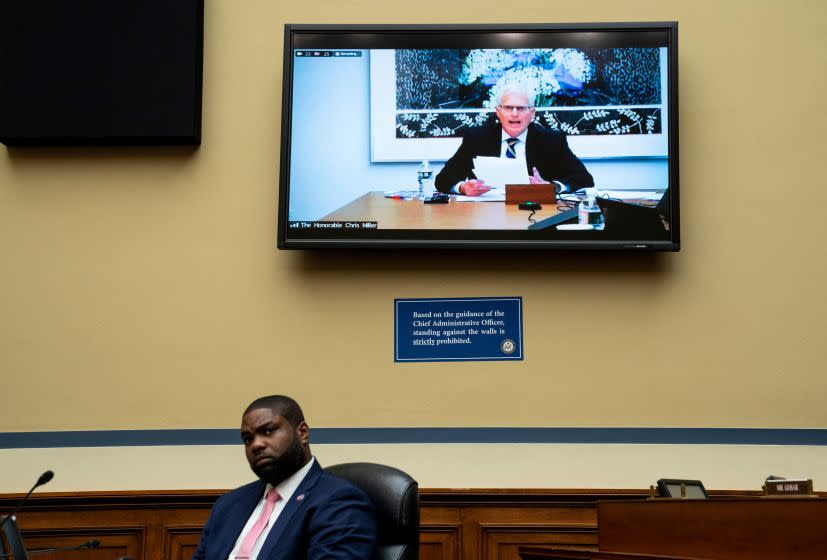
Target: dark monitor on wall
100, 73
369, 110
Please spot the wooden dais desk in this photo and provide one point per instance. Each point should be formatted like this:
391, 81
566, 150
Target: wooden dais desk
392, 213
715, 529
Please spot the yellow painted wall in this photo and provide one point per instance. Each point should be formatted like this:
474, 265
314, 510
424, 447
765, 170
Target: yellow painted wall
141, 288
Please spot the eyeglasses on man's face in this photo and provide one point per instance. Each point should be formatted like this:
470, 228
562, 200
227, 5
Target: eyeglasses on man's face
518, 108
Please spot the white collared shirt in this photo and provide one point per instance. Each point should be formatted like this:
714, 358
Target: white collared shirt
519, 151
286, 489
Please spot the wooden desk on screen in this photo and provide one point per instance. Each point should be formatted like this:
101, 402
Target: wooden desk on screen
391, 213
715, 529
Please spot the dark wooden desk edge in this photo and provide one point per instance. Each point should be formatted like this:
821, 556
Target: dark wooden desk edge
427, 496
552, 553
562, 553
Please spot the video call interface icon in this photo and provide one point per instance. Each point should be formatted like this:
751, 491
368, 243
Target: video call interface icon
329, 53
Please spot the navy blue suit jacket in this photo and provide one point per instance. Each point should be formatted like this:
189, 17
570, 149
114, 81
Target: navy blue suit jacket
545, 149
327, 517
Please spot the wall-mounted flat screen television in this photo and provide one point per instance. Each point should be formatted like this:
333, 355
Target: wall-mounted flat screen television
557, 136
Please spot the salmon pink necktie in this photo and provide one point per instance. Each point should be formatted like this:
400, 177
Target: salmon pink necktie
249, 542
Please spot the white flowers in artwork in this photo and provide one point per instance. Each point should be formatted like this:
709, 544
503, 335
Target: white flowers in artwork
426, 121
442, 131
545, 71
630, 114
471, 120
481, 62
407, 132
596, 114
532, 78
576, 63
567, 90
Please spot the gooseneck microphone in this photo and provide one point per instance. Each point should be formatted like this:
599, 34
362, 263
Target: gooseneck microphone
94, 543
44, 478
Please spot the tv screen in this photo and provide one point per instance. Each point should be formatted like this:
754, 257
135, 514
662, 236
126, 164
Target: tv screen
480, 136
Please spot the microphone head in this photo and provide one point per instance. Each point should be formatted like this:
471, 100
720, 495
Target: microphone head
94, 543
44, 478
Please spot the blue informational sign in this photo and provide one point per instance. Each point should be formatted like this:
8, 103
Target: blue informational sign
459, 329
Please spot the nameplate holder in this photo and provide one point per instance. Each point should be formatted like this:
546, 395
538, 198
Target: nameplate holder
544, 193
789, 487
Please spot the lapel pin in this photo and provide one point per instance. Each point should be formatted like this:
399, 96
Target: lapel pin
300, 497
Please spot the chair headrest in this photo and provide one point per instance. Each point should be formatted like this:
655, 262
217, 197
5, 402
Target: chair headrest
395, 497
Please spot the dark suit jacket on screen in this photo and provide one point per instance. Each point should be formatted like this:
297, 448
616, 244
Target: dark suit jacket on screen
327, 517
545, 149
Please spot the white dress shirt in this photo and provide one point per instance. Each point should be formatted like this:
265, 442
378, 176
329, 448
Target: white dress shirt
519, 151
286, 489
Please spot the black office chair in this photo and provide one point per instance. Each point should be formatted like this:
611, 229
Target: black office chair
14, 540
395, 497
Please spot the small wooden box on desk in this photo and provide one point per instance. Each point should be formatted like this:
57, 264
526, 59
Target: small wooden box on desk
544, 193
716, 529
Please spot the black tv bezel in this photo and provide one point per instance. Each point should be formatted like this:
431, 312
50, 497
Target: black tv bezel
327, 30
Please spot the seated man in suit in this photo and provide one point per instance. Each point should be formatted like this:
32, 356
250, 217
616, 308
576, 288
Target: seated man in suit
545, 152
295, 510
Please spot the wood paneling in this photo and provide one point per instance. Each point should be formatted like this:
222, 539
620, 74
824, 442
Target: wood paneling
115, 542
440, 532
181, 541
500, 542
439, 543
455, 524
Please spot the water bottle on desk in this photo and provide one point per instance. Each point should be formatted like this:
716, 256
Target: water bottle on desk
588, 212
426, 188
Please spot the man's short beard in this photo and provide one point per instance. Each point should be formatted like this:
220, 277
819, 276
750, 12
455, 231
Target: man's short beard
291, 461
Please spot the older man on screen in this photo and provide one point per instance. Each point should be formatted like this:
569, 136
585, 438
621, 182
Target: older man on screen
545, 152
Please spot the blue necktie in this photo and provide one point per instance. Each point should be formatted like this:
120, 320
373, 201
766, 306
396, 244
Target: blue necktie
511, 151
